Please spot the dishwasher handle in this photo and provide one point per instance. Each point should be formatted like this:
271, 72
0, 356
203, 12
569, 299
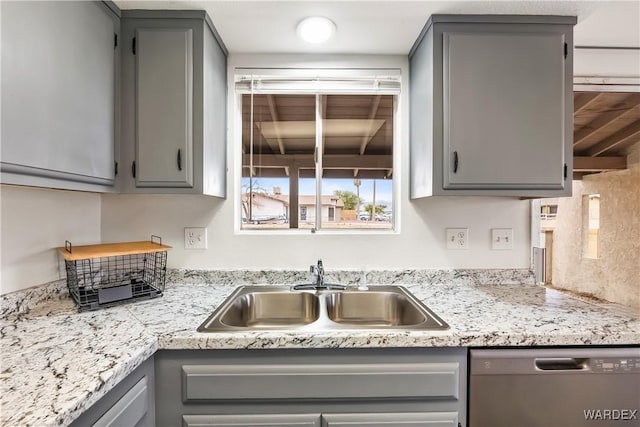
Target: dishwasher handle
561, 364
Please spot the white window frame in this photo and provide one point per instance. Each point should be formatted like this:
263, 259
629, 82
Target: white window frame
338, 75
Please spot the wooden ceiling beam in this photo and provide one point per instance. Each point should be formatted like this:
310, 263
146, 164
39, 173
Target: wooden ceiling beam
338, 161
606, 117
323, 115
577, 176
598, 164
372, 114
310, 173
623, 135
274, 116
582, 100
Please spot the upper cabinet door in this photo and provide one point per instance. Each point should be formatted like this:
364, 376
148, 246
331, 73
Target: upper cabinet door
164, 107
491, 106
503, 109
59, 67
173, 97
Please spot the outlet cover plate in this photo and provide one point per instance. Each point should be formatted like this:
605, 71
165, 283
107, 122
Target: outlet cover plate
457, 238
502, 239
195, 238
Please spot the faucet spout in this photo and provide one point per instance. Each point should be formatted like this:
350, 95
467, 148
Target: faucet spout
319, 285
319, 274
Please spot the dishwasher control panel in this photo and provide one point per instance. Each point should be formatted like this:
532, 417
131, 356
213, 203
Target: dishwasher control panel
612, 364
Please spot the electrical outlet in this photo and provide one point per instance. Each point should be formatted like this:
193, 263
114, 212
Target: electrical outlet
502, 239
195, 238
457, 238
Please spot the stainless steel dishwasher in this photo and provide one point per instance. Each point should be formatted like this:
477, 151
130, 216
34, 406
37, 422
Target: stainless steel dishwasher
568, 387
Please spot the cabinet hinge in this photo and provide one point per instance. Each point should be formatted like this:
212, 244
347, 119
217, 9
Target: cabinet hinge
133, 46
115, 40
565, 171
115, 168
566, 50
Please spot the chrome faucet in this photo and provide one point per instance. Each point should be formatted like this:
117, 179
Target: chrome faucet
318, 271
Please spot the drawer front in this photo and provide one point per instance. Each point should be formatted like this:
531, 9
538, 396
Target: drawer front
404, 419
237, 420
129, 409
317, 381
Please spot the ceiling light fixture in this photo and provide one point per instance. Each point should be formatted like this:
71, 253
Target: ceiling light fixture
316, 29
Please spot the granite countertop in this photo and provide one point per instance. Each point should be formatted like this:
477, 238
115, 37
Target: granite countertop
57, 362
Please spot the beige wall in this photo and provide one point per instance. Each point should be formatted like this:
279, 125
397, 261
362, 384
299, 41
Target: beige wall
615, 274
34, 221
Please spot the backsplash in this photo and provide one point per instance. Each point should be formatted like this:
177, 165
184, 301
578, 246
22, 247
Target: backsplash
25, 300
353, 277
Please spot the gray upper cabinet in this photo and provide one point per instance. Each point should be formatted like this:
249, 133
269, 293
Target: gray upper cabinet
164, 89
492, 106
59, 94
173, 104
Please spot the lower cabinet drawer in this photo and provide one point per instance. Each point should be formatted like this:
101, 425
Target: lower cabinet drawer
129, 409
257, 420
404, 419
318, 381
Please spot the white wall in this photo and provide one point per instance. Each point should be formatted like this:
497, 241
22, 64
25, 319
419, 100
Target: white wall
420, 242
34, 221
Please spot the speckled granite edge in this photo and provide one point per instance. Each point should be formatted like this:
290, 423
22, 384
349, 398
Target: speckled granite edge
23, 301
348, 277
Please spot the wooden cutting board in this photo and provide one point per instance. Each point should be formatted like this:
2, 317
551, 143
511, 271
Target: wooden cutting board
111, 249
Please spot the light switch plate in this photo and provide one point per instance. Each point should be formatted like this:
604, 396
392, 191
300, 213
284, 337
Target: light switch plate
502, 239
195, 238
457, 238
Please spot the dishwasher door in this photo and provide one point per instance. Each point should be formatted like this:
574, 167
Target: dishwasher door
555, 387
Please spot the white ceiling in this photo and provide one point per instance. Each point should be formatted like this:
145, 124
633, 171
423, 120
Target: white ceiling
389, 27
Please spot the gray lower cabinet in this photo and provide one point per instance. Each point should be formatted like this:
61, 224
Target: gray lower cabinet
60, 118
491, 106
404, 419
130, 404
288, 420
173, 104
407, 419
304, 387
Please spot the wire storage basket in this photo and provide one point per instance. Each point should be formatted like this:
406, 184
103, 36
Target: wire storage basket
115, 273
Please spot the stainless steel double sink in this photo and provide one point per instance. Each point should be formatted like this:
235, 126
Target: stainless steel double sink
260, 308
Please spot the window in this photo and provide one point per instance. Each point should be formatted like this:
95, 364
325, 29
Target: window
591, 225
317, 153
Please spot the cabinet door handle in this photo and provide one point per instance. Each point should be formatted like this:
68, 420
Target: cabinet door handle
133, 168
179, 159
455, 162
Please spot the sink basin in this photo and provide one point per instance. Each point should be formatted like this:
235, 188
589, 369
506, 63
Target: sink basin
256, 308
264, 308
372, 308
